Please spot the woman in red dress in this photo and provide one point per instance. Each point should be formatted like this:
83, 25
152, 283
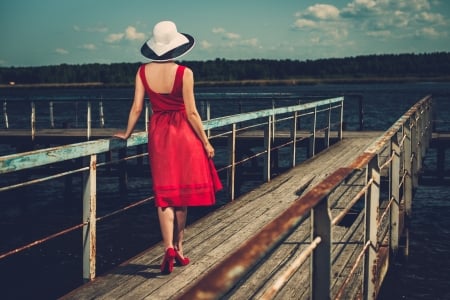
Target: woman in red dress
180, 153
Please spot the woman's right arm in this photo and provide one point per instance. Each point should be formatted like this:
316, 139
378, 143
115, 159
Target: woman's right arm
191, 111
136, 108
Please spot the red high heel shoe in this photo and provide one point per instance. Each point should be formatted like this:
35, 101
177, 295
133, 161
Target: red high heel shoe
181, 261
167, 264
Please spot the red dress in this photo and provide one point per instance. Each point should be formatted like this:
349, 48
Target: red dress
182, 173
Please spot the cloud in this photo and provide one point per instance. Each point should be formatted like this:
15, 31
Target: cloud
91, 29
304, 23
323, 24
218, 30
114, 37
428, 17
232, 39
225, 34
323, 11
130, 33
61, 51
401, 18
430, 32
88, 47
205, 45
380, 33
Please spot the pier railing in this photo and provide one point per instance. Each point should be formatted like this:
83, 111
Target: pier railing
320, 117
383, 179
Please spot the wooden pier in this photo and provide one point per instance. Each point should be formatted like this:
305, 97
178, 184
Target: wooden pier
328, 227
215, 237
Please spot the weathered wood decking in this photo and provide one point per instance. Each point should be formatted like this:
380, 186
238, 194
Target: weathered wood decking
211, 239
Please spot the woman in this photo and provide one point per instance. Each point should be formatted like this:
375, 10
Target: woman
180, 154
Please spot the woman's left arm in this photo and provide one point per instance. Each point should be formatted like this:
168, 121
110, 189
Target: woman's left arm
136, 108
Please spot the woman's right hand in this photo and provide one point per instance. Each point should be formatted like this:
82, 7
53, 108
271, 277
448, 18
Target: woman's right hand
121, 135
209, 150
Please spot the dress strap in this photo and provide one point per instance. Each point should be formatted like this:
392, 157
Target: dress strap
143, 79
178, 83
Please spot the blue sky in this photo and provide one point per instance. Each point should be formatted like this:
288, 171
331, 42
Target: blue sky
51, 32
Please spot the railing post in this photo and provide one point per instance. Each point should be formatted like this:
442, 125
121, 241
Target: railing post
52, 119
341, 122
208, 116
320, 268
267, 147
33, 120
361, 112
232, 162
147, 115
394, 173
123, 172
273, 122
294, 139
312, 141
414, 147
89, 217
5, 115
419, 129
88, 121
407, 165
101, 114
371, 219
328, 130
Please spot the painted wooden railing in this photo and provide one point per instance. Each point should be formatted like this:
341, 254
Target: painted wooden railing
395, 158
230, 127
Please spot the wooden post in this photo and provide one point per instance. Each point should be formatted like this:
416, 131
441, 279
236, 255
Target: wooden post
371, 212
147, 115
341, 123
208, 116
5, 115
328, 130
33, 121
361, 112
231, 174
101, 114
267, 146
320, 268
89, 217
294, 139
414, 143
312, 140
394, 181
407, 164
88, 121
52, 119
123, 175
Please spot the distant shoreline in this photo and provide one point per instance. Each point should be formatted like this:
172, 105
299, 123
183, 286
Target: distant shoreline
258, 82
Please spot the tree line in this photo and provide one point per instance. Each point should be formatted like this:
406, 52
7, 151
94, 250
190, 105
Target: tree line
223, 70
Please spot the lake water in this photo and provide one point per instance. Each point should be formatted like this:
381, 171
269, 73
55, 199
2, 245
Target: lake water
53, 269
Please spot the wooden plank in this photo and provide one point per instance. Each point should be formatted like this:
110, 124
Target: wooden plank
212, 238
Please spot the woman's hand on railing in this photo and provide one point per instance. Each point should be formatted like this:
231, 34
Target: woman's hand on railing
121, 135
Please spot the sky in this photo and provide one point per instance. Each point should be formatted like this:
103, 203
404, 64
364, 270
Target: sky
53, 32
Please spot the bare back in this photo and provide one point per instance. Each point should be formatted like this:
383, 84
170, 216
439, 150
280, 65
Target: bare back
161, 76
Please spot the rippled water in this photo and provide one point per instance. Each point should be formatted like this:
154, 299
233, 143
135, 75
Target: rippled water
53, 269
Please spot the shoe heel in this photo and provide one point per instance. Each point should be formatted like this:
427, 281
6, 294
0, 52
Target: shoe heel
167, 264
181, 261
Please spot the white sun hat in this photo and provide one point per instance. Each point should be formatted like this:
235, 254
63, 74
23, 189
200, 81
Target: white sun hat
167, 43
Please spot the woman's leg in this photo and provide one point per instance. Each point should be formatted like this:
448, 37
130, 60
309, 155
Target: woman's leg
180, 223
166, 217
